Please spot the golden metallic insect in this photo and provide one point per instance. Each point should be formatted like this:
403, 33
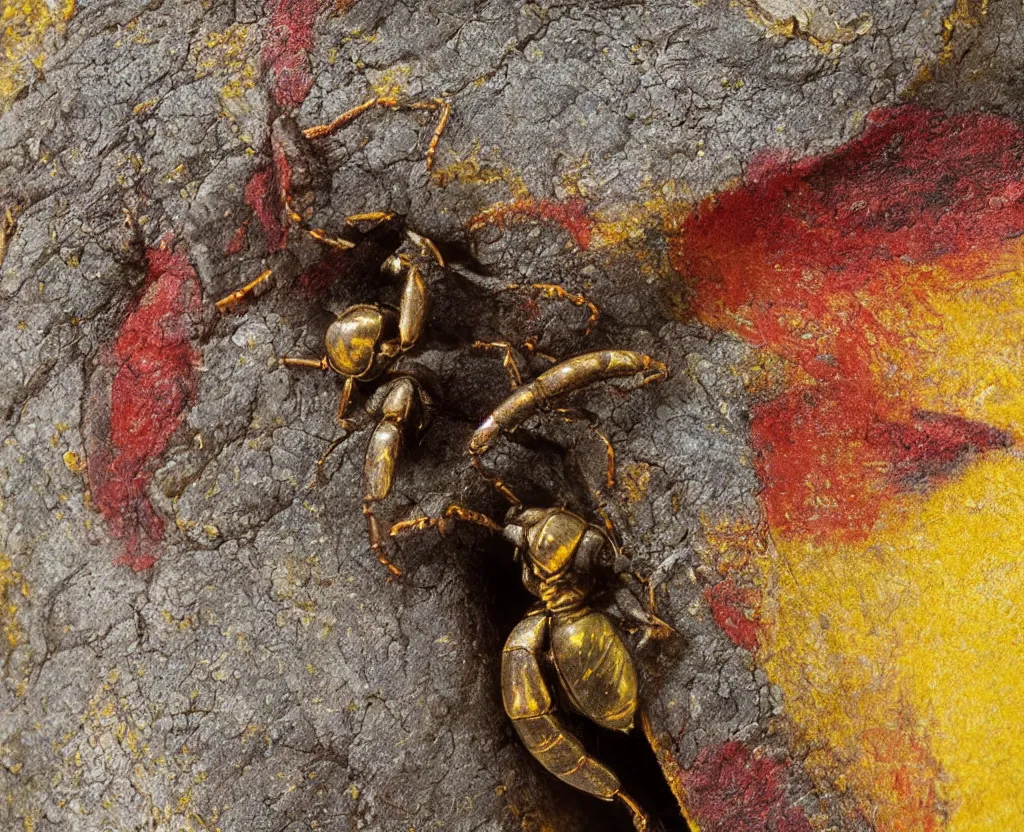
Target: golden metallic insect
564, 378
589, 659
365, 342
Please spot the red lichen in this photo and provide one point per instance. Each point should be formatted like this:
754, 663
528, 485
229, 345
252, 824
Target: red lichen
912, 773
806, 259
734, 610
731, 788
152, 386
265, 195
237, 241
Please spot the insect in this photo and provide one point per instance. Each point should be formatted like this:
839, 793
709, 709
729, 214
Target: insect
569, 376
366, 341
581, 645
558, 551
592, 664
363, 344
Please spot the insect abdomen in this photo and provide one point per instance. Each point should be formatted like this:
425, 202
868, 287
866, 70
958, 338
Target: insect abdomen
531, 709
595, 667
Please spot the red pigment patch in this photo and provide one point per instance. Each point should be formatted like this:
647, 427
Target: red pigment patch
912, 775
571, 215
799, 257
288, 40
734, 789
930, 445
237, 242
153, 385
734, 610
317, 280
264, 197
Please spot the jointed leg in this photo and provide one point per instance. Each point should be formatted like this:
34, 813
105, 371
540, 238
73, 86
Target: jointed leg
228, 301
311, 363
646, 619
369, 216
515, 378
552, 291
530, 346
389, 103
373, 531
346, 424
572, 415
498, 483
657, 372
442, 523
639, 815
346, 394
318, 234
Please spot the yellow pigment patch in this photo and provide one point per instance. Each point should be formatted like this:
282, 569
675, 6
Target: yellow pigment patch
26, 24
13, 591
961, 349
392, 82
900, 659
966, 14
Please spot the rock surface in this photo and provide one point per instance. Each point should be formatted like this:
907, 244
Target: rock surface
197, 635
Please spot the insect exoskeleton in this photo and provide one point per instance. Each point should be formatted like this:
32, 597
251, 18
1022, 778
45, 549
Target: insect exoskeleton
564, 378
590, 659
558, 551
365, 342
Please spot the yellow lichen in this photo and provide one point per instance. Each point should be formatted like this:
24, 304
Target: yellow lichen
13, 591
26, 27
635, 481
965, 15
806, 21
229, 55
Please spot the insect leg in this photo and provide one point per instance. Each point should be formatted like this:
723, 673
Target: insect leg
570, 415
496, 481
515, 378
412, 309
552, 291
375, 217
346, 395
530, 705
389, 103
400, 407
311, 363
444, 522
642, 617
228, 301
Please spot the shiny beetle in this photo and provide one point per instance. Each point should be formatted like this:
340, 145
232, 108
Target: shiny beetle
366, 341
363, 344
590, 661
564, 378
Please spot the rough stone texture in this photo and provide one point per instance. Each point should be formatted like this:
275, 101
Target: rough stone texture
197, 634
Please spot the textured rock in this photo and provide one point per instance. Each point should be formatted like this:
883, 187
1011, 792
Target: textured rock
197, 634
